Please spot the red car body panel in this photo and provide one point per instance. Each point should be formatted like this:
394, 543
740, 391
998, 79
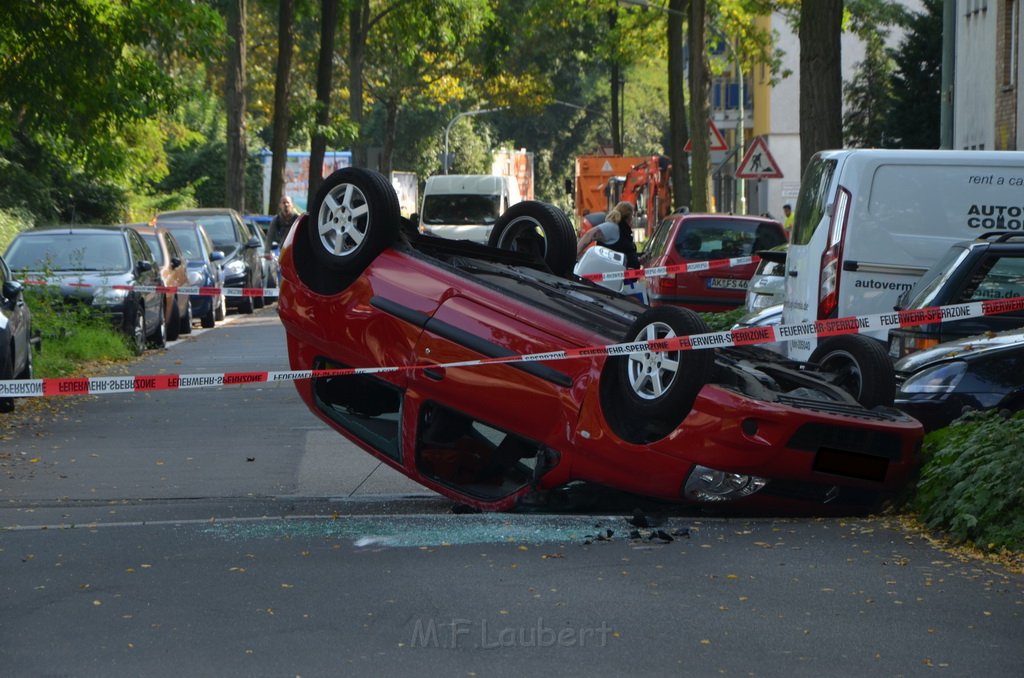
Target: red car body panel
560, 409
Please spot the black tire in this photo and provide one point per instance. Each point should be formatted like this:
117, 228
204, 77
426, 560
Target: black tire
537, 228
859, 365
353, 218
159, 337
6, 373
220, 310
173, 330
137, 332
210, 319
246, 305
661, 385
186, 320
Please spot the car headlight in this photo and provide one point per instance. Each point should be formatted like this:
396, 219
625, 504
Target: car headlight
942, 378
761, 301
108, 296
709, 484
235, 267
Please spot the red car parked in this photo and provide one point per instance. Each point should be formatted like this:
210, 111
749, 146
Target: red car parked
688, 238
361, 289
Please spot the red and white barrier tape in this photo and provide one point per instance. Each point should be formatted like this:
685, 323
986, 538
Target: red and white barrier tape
27, 388
662, 271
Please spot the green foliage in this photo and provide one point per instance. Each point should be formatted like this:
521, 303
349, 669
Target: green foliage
870, 98
970, 484
72, 334
12, 222
917, 84
718, 322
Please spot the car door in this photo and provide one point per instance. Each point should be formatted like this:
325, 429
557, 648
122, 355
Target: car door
146, 272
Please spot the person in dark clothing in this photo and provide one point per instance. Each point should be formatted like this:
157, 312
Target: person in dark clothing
616, 233
282, 221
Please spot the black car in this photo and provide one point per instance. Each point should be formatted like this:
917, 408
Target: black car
99, 266
991, 267
16, 337
243, 252
982, 372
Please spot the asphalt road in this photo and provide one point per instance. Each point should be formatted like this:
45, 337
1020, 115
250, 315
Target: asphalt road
227, 532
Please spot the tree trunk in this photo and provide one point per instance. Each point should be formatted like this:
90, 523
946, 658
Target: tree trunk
282, 90
324, 71
234, 185
358, 30
390, 131
821, 81
678, 133
700, 86
614, 91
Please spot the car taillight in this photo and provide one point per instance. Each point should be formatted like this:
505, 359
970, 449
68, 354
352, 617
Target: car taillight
828, 287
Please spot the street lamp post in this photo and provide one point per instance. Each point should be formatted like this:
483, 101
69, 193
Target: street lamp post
452, 122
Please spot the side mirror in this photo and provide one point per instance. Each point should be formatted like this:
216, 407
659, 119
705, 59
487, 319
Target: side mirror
175, 262
144, 266
253, 243
11, 290
216, 255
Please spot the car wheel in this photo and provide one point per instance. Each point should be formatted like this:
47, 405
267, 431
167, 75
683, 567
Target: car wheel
354, 217
247, 305
537, 228
209, 320
174, 323
186, 320
221, 310
859, 365
7, 372
661, 385
138, 332
159, 337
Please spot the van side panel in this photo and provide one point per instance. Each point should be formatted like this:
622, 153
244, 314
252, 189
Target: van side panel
906, 208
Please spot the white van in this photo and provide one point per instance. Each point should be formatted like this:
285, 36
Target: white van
869, 223
465, 206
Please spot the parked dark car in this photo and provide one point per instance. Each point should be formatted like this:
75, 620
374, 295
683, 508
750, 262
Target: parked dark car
204, 269
99, 266
268, 254
173, 266
243, 263
688, 238
991, 267
767, 286
16, 336
983, 372
736, 427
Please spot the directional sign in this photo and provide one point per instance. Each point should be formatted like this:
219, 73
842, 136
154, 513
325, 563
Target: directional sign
717, 140
758, 163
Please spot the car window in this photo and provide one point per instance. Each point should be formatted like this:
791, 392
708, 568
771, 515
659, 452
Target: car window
658, 242
812, 202
367, 407
999, 277
460, 209
456, 450
188, 239
935, 280
140, 251
708, 239
64, 252
220, 228
172, 245
156, 253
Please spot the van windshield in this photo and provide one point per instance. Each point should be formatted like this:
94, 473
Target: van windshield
460, 210
813, 199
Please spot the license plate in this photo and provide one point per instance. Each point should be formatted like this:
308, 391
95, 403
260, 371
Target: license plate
727, 283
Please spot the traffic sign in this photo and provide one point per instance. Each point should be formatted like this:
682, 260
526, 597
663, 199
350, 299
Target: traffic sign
758, 163
717, 140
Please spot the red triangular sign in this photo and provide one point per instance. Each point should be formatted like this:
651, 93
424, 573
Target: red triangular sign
758, 163
717, 140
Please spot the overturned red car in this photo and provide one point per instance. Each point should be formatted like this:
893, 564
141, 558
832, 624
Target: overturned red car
736, 427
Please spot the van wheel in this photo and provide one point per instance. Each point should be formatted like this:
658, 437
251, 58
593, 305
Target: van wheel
353, 218
859, 365
537, 228
657, 387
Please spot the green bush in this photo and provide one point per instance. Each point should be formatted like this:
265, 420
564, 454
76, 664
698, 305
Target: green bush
971, 483
719, 322
12, 222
